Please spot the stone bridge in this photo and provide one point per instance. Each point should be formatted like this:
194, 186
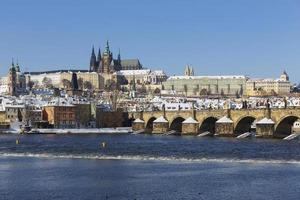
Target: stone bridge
268, 122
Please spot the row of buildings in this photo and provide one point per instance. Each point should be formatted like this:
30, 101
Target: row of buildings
235, 85
105, 73
108, 73
52, 112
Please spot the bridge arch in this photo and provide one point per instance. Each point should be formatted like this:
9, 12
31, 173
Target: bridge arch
149, 125
208, 124
284, 126
243, 124
176, 124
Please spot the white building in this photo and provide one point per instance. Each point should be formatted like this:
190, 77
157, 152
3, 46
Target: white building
4, 85
142, 76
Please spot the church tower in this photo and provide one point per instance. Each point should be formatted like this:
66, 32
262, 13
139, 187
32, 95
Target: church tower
189, 71
107, 59
12, 84
284, 76
93, 61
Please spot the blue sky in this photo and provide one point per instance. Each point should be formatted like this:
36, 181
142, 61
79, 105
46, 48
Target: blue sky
258, 38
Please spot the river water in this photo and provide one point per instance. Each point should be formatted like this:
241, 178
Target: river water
147, 167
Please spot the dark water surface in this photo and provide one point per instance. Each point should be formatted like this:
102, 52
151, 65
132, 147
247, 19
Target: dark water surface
147, 167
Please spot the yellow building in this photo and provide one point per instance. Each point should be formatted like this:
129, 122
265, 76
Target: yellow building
269, 87
57, 79
93, 79
4, 122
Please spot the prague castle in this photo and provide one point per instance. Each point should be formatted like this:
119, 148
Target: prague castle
106, 64
105, 72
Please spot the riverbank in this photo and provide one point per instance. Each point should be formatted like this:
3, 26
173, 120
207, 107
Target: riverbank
118, 130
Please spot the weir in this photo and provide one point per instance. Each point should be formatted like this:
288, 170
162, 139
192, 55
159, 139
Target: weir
139, 131
206, 133
245, 135
172, 132
292, 136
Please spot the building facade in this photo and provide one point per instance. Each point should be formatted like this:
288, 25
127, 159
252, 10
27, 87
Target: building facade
205, 85
14, 83
60, 114
269, 87
63, 79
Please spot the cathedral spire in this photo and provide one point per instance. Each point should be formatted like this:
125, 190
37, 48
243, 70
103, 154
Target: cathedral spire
93, 51
119, 55
17, 66
93, 61
99, 55
107, 51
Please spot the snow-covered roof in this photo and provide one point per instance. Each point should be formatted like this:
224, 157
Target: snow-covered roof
59, 102
190, 120
265, 121
224, 119
161, 119
207, 77
265, 80
158, 73
133, 72
138, 120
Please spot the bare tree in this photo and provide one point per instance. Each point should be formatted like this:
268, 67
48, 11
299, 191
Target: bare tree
66, 84
47, 82
87, 85
185, 88
31, 84
80, 83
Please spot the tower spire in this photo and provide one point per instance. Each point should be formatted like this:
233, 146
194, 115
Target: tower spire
17, 66
93, 51
99, 55
107, 51
93, 61
119, 55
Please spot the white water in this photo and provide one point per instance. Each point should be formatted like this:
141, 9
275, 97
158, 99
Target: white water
244, 135
148, 158
206, 133
292, 136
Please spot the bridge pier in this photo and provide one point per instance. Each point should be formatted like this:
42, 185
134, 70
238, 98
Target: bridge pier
138, 125
265, 128
190, 127
160, 125
224, 127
